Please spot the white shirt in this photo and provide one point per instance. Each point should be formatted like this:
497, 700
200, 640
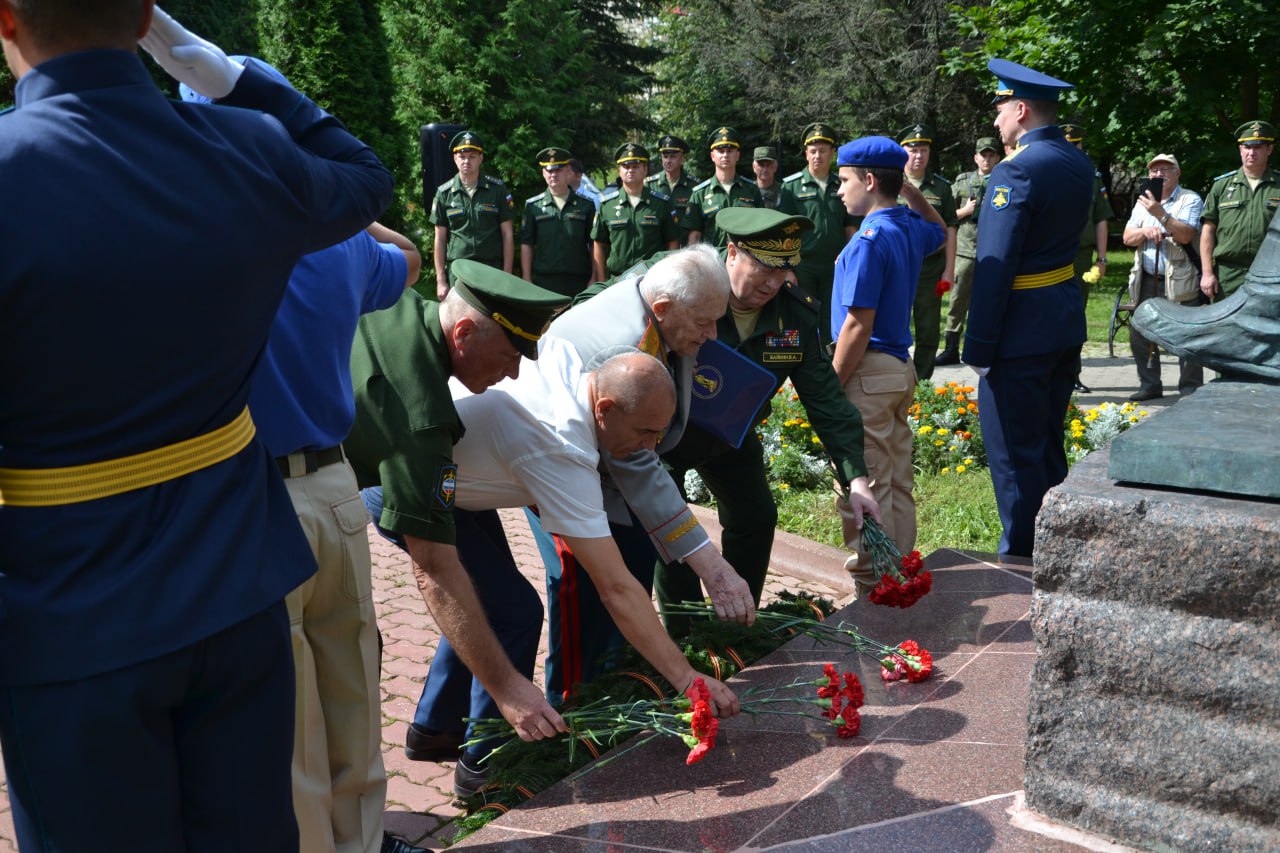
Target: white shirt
1182, 204
532, 440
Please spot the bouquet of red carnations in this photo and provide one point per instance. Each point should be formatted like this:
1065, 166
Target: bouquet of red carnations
900, 581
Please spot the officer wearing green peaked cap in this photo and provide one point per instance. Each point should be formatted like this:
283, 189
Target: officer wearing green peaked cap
674, 180
723, 190
523, 310
635, 220
472, 214
939, 269
1237, 210
772, 322
815, 191
555, 234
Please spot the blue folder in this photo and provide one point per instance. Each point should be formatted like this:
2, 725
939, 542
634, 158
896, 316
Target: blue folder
728, 391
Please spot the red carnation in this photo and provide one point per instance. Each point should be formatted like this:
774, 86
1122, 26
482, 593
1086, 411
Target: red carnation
852, 691
941, 287
832, 687
850, 722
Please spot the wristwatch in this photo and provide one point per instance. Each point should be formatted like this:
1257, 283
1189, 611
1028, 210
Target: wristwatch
1164, 219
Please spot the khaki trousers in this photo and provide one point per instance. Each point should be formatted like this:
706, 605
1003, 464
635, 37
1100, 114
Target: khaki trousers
882, 389
339, 783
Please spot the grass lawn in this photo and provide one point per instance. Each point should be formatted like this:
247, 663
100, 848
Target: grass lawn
959, 511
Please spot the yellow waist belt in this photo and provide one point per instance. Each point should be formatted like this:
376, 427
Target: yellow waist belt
1043, 279
78, 483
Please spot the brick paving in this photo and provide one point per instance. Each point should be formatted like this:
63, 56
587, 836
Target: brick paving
419, 793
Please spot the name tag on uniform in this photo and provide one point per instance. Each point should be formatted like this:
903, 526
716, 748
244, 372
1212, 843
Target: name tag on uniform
649, 219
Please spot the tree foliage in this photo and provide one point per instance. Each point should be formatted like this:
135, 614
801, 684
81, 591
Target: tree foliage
1175, 76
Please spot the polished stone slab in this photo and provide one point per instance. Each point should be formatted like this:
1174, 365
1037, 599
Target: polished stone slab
1220, 439
935, 766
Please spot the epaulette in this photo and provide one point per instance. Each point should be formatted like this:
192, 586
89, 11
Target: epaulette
801, 295
653, 179
659, 194
497, 182
942, 178
1225, 175
610, 194
869, 232
531, 199
795, 176
443, 187
705, 183
746, 180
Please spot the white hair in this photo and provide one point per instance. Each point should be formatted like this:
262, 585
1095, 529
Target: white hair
691, 276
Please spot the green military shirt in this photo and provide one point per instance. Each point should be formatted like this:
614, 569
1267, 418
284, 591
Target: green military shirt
474, 221
709, 198
1241, 215
969, 185
780, 199
633, 233
937, 191
406, 424
821, 203
1100, 211
561, 241
678, 193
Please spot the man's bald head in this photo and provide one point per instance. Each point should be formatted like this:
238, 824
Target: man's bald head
634, 399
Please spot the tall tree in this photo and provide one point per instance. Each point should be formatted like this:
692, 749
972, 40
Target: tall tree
1174, 76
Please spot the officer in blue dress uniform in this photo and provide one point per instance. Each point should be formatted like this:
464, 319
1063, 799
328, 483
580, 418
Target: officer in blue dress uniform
1026, 317
147, 541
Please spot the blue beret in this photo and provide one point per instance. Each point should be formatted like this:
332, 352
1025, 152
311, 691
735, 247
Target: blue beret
872, 152
1019, 81
188, 94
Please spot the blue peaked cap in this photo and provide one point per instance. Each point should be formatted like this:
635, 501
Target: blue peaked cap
188, 94
1019, 81
872, 152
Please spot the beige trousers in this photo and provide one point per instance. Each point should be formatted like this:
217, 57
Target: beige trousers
339, 783
882, 389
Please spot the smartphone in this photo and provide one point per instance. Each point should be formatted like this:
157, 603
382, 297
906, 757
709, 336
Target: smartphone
1156, 185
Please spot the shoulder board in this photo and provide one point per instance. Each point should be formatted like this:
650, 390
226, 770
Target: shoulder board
445, 186
610, 194
941, 178
495, 182
705, 183
659, 194
653, 179
802, 296
1225, 175
746, 180
868, 232
531, 199
794, 176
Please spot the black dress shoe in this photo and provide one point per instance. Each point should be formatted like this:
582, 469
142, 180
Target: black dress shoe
1081, 388
946, 358
422, 744
1144, 394
391, 844
468, 779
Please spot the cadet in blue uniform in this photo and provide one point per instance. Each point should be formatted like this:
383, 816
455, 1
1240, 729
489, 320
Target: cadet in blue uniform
146, 537
1026, 317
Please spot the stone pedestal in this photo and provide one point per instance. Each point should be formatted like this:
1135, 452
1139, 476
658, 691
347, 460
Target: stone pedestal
1154, 711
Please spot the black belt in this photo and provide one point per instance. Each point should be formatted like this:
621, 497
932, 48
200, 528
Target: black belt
310, 460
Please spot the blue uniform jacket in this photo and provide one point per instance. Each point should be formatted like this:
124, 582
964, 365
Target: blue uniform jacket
1034, 209
146, 244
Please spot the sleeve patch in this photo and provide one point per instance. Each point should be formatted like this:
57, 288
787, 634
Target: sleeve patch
1000, 196
446, 485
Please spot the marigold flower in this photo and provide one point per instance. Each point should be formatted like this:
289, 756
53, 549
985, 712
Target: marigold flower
925, 430
945, 471
937, 442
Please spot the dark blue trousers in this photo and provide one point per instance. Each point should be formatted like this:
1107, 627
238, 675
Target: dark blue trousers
190, 751
580, 631
1021, 405
510, 603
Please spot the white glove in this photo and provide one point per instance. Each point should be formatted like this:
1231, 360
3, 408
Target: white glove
190, 59
981, 371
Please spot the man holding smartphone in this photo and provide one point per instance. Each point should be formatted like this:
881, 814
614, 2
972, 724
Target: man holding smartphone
1165, 218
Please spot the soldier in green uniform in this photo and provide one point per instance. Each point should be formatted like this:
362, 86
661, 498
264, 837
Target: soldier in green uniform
1093, 236
774, 323
726, 188
634, 221
405, 429
555, 237
815, 189
939, 269
1237, 210
472, 214
674, 181
967, 191
764, 162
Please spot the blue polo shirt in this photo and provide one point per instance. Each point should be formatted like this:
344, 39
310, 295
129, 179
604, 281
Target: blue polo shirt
301, 397
878, 269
